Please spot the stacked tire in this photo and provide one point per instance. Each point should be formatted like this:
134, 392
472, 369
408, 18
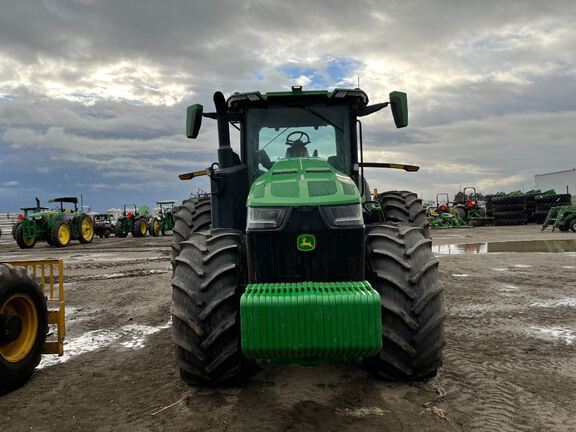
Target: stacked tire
509, 210
543, 204
531, 208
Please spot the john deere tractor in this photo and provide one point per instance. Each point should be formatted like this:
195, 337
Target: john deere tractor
164, 220
57, 227
24, 211
132, 220
298, 264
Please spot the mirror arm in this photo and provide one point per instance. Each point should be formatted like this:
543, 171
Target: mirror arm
371, 109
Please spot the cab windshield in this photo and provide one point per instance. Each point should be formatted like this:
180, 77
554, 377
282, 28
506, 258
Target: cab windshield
276, 133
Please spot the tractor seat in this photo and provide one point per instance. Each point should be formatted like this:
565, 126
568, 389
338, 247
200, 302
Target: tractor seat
297, 152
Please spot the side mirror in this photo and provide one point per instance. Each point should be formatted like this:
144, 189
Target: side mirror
193, 120
399, 105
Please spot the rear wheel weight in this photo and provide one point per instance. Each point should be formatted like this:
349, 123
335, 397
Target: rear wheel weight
209, 273
20, 295
404, 271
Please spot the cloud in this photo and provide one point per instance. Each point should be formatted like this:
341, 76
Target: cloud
12, 183
93, 93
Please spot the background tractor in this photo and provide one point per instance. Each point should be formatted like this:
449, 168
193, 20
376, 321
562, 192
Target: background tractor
31, 308
103, 225
164, 221
133, 220
57, 227
290, 260
24, 211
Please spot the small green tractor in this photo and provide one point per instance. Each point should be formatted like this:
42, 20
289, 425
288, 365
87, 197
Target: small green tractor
103, 225
57, 227
24, 211
296, 262
132, 220
561, 217
164, 221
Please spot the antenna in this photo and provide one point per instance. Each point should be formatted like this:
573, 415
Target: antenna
358, 82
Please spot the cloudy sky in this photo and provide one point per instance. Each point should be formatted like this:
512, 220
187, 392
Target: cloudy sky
93, 92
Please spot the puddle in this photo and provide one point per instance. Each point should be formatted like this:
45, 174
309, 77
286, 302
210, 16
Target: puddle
548, 246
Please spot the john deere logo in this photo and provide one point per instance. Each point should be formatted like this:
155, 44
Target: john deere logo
306, 242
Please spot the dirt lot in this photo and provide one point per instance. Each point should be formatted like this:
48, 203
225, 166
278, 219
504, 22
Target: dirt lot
510, 362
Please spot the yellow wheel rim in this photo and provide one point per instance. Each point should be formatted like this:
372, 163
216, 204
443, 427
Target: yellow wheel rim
87, 229
143, 228
23, 307
156, 227
64, 234
28, 241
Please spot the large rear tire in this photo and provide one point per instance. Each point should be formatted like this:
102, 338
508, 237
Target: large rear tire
404, 271
194, 215
21, 342
24, 242
209, 273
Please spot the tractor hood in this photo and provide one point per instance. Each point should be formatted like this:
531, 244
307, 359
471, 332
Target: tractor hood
303, 182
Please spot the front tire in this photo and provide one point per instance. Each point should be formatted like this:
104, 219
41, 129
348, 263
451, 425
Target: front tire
20, 352
194, 215
85, 228
404, 271
61, 234
140, 228
209, 273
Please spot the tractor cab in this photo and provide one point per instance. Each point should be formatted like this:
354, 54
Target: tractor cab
166, 206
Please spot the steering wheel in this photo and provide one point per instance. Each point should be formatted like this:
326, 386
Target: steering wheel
297, 141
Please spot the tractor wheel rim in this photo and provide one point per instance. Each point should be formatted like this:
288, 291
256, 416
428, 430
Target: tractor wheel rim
23, 307
156, 227
28, 241
64, 234
142, 227
87, 229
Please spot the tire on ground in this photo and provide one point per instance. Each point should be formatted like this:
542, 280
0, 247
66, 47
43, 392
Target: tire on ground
57, 228
140, 228
209, 273
118, 232
16, 371
14, 228
85, 235
404, 271
194, 215
22, 243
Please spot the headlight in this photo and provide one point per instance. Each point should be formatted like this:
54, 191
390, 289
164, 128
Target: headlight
266, 217
343, 216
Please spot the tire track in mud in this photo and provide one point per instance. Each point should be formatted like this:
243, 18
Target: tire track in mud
490, 402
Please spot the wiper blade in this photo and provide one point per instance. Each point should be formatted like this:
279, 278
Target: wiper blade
320, 116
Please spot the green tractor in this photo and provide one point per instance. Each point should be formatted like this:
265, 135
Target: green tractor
299, 264
467, 208
57, 227
24, 211
164, 221
132, 220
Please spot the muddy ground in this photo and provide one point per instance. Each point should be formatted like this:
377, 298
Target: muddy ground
510, 362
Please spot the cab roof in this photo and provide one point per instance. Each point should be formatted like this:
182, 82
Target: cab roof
72, 200
354, 97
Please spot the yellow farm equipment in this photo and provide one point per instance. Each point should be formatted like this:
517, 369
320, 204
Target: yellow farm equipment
32, 317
